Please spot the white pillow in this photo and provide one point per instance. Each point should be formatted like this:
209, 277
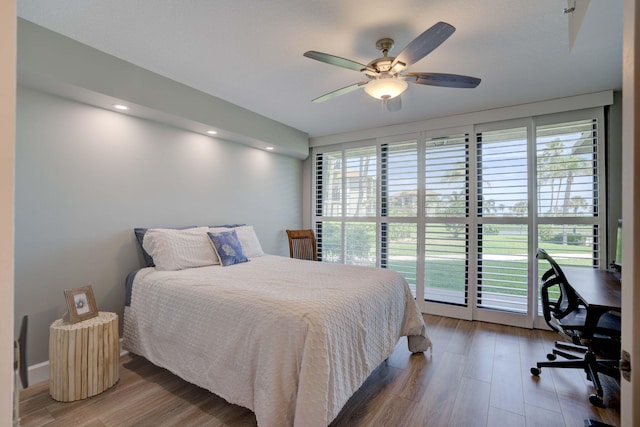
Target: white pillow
179, 249
248, 240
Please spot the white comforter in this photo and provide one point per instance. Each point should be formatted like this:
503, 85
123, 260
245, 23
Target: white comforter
291, 340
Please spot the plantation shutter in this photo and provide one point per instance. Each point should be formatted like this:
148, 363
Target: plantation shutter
399, 208
446, 162
567, 162
329, 204
361, 195
503, 252
461, 217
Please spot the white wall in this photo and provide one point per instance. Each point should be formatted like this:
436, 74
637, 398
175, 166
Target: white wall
85, 177
7, 120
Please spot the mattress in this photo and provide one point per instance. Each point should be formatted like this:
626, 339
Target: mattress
291, 340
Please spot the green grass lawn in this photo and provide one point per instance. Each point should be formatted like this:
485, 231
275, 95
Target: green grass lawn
507, 275
503, 258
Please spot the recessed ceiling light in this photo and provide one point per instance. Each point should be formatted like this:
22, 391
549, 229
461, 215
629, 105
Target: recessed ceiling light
120, 107
270, 148
212, 132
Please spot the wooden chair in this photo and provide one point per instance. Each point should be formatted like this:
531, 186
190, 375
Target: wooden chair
302, 244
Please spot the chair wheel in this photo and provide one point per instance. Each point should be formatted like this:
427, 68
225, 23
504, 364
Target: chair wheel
535, 372
551, 356
596, 400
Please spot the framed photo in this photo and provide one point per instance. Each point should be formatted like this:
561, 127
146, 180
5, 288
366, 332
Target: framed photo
81, 304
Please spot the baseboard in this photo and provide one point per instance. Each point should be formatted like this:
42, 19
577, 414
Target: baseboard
39, 372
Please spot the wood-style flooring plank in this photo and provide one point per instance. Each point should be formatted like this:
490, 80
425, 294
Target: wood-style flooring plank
477, 374
500, 417
539, 417
435, 404
506, 381
471, 408
537, 392
481, 353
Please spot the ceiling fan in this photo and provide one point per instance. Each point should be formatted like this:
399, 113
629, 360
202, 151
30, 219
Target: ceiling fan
388, 76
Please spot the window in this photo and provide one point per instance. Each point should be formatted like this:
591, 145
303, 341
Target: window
446, 198
360, 177
461, 216
568, 189
399, 208
502, 238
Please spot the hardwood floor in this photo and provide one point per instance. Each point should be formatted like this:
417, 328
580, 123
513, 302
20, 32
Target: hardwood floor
478, 375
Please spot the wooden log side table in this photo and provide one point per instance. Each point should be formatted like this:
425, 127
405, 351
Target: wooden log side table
84, 357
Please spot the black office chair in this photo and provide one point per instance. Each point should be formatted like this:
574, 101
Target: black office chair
564, 312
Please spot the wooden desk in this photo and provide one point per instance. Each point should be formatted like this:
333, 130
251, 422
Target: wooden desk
598, 289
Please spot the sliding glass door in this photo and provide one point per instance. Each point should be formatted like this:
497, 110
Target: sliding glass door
461, 212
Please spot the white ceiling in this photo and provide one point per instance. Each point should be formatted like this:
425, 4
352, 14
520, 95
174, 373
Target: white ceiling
249, 52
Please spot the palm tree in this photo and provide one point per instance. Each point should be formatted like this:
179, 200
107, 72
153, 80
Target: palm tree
457, 174
457, 202
551, 170
488, 206
520, 209
558, 166
576, 203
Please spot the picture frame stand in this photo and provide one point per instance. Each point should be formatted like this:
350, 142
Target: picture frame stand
81, 304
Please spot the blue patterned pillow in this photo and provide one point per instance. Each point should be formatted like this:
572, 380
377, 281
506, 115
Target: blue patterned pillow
228, 247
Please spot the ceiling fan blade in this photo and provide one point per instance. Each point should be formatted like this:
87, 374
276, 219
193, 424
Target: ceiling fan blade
335, 60
340, 91
394, 104
426, 42
444, 80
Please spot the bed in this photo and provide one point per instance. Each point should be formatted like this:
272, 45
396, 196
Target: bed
291, 340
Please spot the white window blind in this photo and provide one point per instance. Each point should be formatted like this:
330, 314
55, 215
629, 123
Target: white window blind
568, 187
328, 179
446, 165
399, 176
399, 208
460, 218
346, 187
360, 243
329, 241
446, 176
502, 247
446, 263
361, 181
567, 162
400, 241
329, 204
502, 172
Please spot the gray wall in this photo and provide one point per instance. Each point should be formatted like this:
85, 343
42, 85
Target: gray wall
85, 177
57, 64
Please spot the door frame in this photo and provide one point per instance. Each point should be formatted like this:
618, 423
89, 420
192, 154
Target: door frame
630, 390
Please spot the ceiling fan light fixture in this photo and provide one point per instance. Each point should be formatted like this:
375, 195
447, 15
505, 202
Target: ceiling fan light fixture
386, 88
